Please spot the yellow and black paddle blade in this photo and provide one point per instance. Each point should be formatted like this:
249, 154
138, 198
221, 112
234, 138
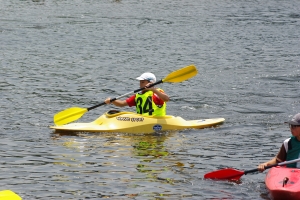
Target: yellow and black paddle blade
181, 74
9, 195
69, 115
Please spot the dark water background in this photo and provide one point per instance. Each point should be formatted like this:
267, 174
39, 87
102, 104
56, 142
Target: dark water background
55, 54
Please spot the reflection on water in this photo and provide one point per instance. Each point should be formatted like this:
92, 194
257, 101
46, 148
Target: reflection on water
151, 152
145, 153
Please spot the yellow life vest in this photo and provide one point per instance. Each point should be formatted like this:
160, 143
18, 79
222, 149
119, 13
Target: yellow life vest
146, 106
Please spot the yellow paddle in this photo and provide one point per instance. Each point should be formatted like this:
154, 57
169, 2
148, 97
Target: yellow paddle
9, 195
74, 113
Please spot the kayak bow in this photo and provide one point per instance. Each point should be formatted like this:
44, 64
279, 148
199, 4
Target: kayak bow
283, 183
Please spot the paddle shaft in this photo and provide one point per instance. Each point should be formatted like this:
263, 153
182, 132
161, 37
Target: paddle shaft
274, 165
124, 95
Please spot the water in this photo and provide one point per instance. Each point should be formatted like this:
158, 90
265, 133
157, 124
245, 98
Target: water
59, 54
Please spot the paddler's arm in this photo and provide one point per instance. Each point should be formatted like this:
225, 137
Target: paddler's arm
163, 96
117, 102
261, 167
280, 157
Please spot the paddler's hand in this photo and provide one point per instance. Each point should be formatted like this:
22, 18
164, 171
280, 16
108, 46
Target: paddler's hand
149, 88
261, 167
155, 90
107, 101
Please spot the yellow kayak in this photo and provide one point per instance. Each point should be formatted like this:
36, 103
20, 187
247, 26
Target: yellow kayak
9, 195
129, 122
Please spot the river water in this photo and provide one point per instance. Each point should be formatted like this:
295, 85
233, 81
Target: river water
57, 54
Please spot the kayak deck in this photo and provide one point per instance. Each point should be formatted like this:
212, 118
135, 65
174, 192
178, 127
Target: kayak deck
128, 122
283, 183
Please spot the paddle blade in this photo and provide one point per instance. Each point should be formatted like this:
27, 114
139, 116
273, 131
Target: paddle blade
9, 195
181, 74
228, 174
69, 115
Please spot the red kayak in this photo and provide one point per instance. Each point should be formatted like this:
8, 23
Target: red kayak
283, 183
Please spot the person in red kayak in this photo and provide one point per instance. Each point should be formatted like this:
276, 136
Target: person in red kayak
150, 101
290, 148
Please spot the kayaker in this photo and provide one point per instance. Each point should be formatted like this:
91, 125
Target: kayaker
149, 102
290, 148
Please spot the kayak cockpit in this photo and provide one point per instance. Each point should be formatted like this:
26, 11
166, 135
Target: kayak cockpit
115, 113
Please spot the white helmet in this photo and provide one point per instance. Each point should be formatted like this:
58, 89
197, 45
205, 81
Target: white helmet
147, 76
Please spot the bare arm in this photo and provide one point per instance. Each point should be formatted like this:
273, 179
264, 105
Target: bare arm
280, 157
119, 103
261, 167
163, 96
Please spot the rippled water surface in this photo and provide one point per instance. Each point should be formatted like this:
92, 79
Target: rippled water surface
58, 54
